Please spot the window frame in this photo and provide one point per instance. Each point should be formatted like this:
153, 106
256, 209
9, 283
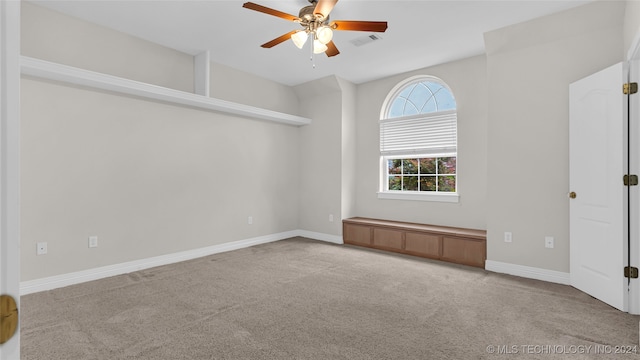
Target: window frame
383, 189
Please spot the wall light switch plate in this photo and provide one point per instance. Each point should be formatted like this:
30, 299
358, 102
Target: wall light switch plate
508, 237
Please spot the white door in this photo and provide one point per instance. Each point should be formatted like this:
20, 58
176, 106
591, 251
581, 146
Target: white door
597, 214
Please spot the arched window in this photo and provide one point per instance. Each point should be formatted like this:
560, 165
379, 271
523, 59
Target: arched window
418, 141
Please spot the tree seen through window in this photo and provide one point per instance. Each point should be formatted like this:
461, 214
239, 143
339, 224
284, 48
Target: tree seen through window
422, 174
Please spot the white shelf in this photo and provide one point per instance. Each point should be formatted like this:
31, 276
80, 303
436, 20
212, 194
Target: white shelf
68, 74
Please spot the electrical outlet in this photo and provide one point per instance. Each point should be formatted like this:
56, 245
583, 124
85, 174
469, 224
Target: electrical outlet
330, 217
93, 241
250, 220
549, 242
508, 237
41, 248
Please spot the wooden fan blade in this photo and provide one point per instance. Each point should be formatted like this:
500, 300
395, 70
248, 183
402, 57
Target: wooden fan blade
324, 7
279, 40
332, 50
269, 11
353, 25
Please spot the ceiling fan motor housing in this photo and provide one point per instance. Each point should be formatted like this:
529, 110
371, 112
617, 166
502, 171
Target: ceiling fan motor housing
310, 20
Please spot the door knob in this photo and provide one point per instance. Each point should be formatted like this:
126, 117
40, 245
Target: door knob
572, 195
8, 318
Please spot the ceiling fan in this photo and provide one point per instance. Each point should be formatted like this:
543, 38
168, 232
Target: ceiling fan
315, 23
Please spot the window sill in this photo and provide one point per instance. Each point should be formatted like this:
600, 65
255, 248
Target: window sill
438, 197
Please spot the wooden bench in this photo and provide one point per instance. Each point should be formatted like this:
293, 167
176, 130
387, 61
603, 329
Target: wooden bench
452, 244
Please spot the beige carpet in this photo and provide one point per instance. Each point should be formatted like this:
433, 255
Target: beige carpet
304, 299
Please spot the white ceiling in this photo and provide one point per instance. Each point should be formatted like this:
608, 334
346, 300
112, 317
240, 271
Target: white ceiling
420, 33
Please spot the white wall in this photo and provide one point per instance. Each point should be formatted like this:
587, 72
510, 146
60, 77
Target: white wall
468, 82
631, 25
240, 87
327, 155
147, 178
321, 156
349, 150
52, 36
530, 67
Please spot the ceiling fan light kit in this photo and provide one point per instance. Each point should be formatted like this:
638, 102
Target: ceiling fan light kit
324, 34
319, 47
299, 38
314, 19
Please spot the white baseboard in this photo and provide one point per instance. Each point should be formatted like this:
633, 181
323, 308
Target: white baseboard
336, 239
553, 276
58, 281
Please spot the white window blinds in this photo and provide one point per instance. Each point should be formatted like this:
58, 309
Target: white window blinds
433, 133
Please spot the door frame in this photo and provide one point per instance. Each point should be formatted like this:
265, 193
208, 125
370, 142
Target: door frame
633, 60
10, 162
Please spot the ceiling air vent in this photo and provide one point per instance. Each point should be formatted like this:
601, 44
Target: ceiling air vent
366, 39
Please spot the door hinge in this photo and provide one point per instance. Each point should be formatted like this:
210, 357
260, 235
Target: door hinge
630, 88
630, 180
631, 272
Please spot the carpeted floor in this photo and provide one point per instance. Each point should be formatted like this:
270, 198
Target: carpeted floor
305, 299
